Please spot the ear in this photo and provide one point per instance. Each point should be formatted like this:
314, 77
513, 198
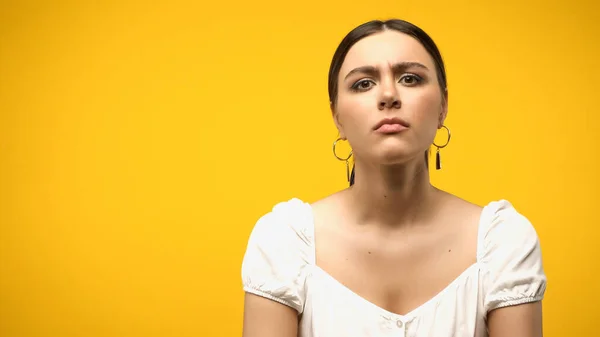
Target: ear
336, 120
444, 109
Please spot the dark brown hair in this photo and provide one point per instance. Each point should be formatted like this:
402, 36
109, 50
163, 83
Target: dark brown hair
376, 26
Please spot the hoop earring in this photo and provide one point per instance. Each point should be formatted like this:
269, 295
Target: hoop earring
438, 162
347, 159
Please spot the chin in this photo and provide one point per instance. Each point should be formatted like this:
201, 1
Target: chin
396, 155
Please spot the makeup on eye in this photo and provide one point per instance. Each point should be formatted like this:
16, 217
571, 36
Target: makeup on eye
416, 80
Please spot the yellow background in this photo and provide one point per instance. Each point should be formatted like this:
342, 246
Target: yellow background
140, 142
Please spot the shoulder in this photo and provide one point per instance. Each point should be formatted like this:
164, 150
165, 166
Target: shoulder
278, 252
503, 229
511, 254
285, 223
330, 207
461, 209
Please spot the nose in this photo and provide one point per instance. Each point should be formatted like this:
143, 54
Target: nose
389, 97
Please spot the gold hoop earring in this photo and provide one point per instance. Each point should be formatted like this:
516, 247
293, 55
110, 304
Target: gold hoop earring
438, 162
347, 159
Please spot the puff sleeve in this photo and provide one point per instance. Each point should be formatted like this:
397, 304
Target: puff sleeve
512, 258
278, 253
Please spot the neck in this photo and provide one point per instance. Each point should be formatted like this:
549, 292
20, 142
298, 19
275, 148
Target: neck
392, 196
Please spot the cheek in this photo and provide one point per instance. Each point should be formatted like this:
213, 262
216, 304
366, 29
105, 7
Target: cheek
423, 106
354, 111
423, 110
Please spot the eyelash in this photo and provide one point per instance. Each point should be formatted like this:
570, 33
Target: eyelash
417, 78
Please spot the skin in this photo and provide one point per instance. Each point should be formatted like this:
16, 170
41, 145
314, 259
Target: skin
392, 216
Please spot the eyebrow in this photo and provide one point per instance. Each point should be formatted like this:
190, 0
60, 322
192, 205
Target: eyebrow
398, 67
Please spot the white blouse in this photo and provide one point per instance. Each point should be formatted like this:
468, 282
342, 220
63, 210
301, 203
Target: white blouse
279, 264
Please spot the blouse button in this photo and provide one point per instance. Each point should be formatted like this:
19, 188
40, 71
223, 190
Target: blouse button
399, 323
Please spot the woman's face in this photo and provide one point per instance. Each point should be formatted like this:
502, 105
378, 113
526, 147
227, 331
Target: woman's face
389, 75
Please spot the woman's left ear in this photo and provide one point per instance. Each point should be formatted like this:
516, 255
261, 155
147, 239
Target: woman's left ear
336, 121
443, 110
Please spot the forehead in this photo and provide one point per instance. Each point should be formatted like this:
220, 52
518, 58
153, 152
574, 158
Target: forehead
385, 48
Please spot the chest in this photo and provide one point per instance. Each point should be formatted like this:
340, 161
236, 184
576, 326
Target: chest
334, 310
395, 271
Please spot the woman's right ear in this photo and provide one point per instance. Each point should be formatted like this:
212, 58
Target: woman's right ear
338, 124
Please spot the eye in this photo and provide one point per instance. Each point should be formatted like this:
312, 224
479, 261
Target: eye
362, 85
410, 79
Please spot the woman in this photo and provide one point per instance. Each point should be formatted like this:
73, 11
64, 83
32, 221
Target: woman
392, 255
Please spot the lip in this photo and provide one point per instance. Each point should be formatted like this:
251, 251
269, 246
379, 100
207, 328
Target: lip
391, 125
